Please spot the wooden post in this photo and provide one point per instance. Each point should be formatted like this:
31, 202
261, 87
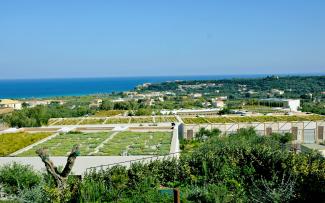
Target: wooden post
177, 195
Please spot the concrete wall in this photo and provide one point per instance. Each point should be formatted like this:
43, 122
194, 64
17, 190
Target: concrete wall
81, 164
303, 127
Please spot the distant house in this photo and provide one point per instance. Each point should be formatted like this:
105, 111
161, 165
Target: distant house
291, 104
96, 103
219, 102
276, 91
33, 103
196, 95
8, 103
119, 100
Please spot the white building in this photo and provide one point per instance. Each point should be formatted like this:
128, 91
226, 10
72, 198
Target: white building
8, 103
196, 95
219, 102
291, 104
276, 91
191, 112
33, 103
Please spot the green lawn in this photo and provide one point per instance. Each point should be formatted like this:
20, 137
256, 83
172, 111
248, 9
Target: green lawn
62, 144
138, 143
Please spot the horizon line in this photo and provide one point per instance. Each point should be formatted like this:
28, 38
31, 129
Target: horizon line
157, 76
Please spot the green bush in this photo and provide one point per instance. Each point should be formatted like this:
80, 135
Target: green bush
15, 177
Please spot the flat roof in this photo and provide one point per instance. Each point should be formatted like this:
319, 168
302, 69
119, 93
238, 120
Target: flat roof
279, 99
8, 101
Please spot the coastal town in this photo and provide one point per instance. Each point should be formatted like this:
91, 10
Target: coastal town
162, 101
147, 108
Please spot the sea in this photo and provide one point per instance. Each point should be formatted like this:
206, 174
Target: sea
47, 88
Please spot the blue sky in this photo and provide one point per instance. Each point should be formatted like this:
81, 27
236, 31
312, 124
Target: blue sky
75, 38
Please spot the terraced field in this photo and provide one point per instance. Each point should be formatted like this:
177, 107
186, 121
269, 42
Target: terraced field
137, 143
68, 121
244, 119
117, 120
164, 119
108, 113
110, 120
12, 142
62, 144
141, 120
53, 121
90, 121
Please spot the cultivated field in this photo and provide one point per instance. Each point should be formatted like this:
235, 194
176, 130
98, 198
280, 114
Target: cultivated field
93, 121
122, 143
141, 119
117, 120
12, 142
108, 113
66, 121
111, 120
164, 119
137, 143
61, 145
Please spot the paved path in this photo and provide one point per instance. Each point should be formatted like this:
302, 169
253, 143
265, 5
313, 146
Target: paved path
179, 118
102, 144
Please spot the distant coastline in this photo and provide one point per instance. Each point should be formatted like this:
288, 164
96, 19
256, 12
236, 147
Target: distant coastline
41, 88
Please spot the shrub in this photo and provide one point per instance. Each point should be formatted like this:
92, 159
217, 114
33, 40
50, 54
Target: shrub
15, 177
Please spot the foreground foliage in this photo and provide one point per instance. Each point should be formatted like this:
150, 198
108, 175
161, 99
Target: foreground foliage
242, 167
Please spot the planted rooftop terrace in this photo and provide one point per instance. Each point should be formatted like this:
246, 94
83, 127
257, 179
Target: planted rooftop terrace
250, 119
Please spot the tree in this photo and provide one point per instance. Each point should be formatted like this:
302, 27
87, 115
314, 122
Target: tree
60, 178
107, 105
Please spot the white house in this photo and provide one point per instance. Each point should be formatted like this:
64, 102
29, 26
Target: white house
292, 104
8, 103
219, 102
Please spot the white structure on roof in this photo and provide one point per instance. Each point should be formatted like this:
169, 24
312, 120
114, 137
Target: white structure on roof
211, 111
292, 104
8, 103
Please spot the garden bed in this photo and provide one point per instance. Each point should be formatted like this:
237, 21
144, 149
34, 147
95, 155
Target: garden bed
12, 142
165, 119
62, 144
249, 119
137, 143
